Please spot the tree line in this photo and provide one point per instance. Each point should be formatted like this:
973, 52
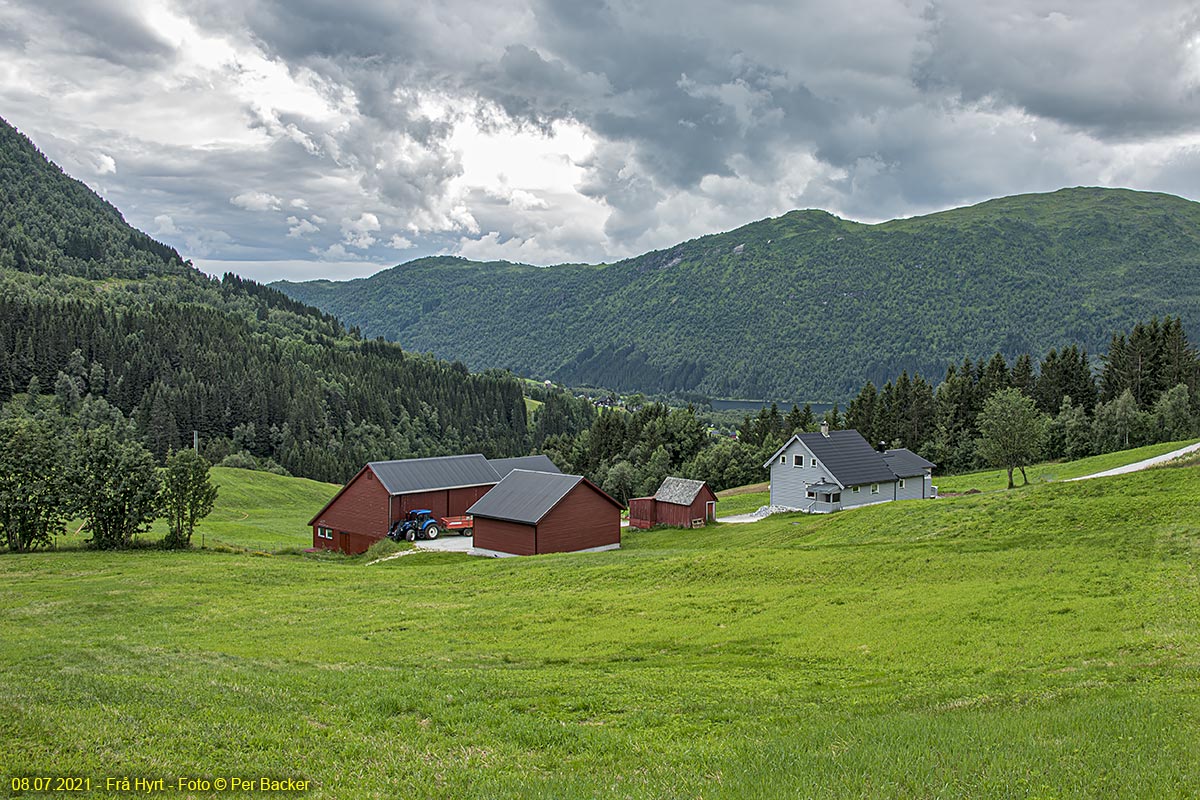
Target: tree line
1144, 391
1058, 406
61, 462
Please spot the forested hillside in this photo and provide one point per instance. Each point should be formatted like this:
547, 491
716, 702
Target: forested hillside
806, 306
90, 306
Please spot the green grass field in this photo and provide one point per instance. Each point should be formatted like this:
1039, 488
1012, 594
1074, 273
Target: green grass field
992, 480
254, 510
740, 501
1042, 643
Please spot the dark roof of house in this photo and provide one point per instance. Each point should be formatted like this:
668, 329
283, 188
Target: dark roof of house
680, 491
428, 474
538, 463
847, 456
905, 463
525, 496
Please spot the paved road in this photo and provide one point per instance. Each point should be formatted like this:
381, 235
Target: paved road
1140, 465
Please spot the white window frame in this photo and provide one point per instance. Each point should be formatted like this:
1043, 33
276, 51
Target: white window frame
814, 463
797, 461
874, 488
902, 483
324, 533
783, 459
855, 489
810, 494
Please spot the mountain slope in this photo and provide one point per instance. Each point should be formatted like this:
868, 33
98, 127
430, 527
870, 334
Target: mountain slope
805, 306
126, 319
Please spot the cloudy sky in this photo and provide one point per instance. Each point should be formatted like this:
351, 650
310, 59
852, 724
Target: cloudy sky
297, 138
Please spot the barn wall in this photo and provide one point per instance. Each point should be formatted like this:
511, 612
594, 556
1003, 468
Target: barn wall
504, 537
581, 520
361, 509
435, 501
641, 512
459, 500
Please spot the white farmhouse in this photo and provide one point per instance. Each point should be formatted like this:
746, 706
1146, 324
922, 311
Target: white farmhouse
832, 470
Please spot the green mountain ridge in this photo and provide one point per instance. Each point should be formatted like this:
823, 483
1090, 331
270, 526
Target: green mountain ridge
805, 306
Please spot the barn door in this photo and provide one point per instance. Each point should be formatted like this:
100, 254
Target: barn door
710, 511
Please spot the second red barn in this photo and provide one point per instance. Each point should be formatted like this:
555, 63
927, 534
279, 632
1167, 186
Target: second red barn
679, 503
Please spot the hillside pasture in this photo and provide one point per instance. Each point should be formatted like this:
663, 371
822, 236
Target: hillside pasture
1041, 643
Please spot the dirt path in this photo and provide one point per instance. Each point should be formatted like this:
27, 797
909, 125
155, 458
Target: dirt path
1143, 464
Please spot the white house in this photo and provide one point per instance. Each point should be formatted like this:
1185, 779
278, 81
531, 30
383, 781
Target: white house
832, 470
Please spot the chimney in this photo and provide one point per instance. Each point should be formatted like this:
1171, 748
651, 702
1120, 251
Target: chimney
825, 428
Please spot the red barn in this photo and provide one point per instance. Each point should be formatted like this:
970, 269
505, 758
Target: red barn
679, 502
384, 491
539, 512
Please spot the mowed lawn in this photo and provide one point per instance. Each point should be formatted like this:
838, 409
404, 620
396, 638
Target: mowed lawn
1042, 643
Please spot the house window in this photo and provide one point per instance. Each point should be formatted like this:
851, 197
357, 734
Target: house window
810, 494
855, 489
874, 488
902, 483
783, 459
814, 463
837, 497
324, 533
797, 461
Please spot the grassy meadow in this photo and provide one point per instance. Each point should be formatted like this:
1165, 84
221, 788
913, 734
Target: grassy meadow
254, 511
1041, 643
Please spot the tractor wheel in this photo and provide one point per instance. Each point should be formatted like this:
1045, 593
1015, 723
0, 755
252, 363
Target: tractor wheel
411, 536
432, 532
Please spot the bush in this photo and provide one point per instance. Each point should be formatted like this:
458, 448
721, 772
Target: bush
243, 460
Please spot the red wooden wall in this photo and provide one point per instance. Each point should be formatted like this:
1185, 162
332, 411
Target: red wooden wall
359, 510
581, 520
641, 512
504, 536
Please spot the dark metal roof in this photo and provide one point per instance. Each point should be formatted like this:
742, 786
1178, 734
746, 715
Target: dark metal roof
524, 496
428, 474
680, 491
538, 463
905, 463
847, 456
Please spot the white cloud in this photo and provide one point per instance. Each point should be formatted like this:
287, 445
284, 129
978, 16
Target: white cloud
398, 242
164, 225
105, 164
357, 232
300, 227
256, 201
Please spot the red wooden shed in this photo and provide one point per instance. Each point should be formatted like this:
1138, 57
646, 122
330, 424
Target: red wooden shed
383, 492
679, 502
539, 512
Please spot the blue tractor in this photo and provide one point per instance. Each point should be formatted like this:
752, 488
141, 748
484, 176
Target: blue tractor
417, 524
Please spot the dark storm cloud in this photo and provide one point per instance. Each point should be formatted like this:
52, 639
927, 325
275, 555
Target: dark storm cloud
1116, 69
107, 30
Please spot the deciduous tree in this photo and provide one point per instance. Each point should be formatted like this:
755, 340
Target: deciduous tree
1010, 431
187, 495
